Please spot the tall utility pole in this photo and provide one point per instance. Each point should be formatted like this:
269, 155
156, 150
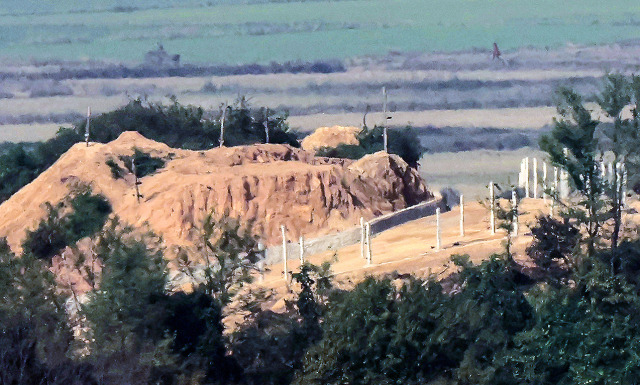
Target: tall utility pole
385, 117
266, 126
222, 119
86, 128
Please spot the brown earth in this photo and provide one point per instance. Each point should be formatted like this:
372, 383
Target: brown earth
268, 184
330, 137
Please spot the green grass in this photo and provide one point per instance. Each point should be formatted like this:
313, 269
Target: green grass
240, 33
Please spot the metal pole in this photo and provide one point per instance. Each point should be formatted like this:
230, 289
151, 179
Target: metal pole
438, 234
462, 215
222, 120
535, 178
301, 243
363, 239
514, 203
544, 181
368, 238
385, 116
86, 129
284, 252
564, 178
526, 177
492, 207
135, 178
624, 184
266, 127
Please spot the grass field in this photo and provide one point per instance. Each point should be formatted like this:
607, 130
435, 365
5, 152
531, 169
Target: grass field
471, 171
227, 32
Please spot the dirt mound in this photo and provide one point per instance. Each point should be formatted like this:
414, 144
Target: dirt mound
330, 137
268, 184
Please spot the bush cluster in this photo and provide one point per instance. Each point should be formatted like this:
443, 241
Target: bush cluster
81, 216
404, 143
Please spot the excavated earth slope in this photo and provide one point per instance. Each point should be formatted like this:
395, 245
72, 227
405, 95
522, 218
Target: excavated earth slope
267, 184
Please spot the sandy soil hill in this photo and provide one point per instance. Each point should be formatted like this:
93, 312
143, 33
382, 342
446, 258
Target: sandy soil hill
269, 184
330, 137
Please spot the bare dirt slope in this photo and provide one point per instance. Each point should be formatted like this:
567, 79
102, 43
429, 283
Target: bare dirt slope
270, 185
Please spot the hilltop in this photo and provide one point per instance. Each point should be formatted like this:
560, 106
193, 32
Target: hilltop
267, 184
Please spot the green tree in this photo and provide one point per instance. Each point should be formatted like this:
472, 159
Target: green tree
230, 253
31, 305
126, 313
575, 131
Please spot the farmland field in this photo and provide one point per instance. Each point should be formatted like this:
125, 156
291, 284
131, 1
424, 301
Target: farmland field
228, 32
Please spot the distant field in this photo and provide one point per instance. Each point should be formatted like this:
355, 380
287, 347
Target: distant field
471, 171
228, 32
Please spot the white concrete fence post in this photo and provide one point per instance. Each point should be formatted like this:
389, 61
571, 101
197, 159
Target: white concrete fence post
610, 172
535, 178
368, 240
514, 203
86, 129
284, 252
438, 233
564, 178
526, 177
363, 239
492, 208
462, 215
385, 121
624, 184
301, 244
521, 174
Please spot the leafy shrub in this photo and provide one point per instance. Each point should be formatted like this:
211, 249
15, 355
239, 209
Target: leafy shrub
347, 151
49, 237
86, 214
553, 241
417, 333
185, 126
21, 163
145, 163
117, 172
404, 143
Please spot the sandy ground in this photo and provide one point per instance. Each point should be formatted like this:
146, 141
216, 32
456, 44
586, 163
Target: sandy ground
410, 248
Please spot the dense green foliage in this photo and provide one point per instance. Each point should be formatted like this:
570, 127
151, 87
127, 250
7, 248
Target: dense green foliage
144, 164
190, 127
567, 319
23, 162
404, 143
175, 124
81, 215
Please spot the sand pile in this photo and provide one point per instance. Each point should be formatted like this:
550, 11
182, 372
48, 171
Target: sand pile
330, 137
268, 184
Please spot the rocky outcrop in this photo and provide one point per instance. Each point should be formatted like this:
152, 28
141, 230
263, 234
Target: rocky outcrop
268, 185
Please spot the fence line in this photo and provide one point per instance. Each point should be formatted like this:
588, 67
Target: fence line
352, 236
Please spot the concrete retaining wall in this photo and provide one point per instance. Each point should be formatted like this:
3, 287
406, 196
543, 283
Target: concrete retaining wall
351, 236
